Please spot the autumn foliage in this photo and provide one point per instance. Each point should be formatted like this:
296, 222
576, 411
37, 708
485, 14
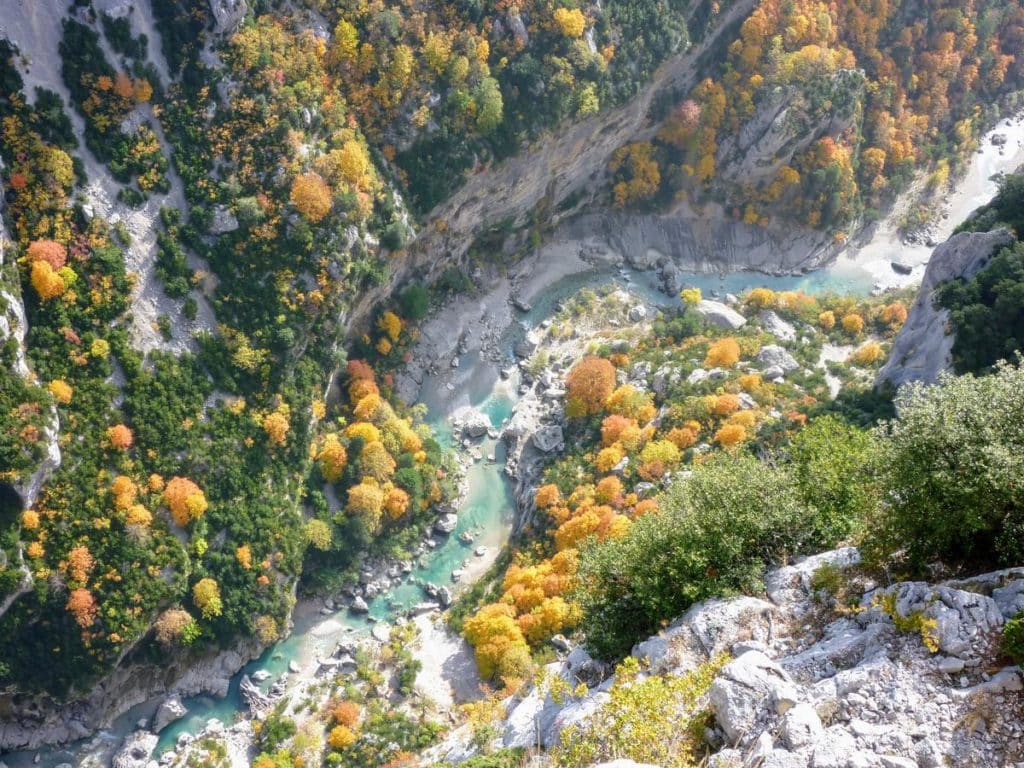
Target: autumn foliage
82, 605
170, 626
47, 283
206, 594
50, 251
311, 196
724, 353
120, 437
185, 499
588, 386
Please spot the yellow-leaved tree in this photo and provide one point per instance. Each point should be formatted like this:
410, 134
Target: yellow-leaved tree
588, 385
206, 595
311, 196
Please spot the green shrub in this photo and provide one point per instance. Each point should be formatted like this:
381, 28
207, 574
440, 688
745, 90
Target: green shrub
714, 535
987, 312
656, 719
1013, 639
830, 461
949, 469
503, 758
415, 302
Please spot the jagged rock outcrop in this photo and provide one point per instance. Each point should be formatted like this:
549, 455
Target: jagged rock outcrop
533, 433
135, 751
775, 325
774, 356
911, 678
924, 346
228, 14
170, 709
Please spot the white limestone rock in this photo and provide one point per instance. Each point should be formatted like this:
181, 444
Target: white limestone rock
776, 326
923, 348
774, 356
721, 315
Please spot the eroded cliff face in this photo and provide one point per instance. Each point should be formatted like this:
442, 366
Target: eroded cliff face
562, 174
923, 349
707, 241
13, 326
29, 722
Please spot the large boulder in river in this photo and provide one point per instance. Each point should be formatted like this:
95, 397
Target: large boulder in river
359, 605
924, 347
475, 424
717, 313
447, 523
135, 751
170, 710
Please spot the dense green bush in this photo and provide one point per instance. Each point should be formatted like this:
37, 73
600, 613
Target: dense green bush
1013, 639
987, 311
949, 469
831, 464
715, 533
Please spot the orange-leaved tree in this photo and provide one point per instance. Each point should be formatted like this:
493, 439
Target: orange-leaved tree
185, 499
588, 385
50, 251
82, 605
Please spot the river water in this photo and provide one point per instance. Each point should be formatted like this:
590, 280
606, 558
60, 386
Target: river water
487, 508
486, 511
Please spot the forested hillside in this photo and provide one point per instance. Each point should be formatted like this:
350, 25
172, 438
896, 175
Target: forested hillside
821, 113
206, 290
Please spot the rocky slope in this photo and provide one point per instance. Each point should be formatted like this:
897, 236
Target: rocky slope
923, 348
12, 328
813, 683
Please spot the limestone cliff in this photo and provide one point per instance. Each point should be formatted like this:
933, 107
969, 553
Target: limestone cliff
29, 722
562, 173
923, 348
813, 684
13, 326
